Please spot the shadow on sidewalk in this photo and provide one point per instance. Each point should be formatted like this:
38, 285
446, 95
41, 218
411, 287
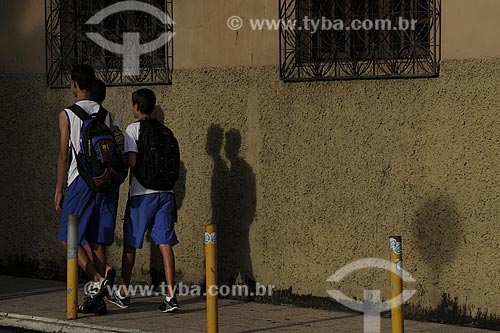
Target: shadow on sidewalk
27, 293
301, 323
149, 304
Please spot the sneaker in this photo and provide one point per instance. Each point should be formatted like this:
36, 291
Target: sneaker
122, 303
110, 276
94, 296
101, 309
169, 306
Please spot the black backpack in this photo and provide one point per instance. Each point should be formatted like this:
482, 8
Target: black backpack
158, 157
99, 161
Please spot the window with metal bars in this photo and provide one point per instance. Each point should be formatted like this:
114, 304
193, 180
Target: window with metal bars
335, 54
67, 42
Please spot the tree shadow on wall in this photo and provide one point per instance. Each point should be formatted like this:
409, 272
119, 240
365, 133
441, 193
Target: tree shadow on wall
233, 197
438, 233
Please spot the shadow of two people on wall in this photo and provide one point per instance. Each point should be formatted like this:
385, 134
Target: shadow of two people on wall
233, 199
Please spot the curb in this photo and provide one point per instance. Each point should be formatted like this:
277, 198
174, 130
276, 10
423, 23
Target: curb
55, 325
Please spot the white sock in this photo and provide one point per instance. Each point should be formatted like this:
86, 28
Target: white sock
98, 284
168, 298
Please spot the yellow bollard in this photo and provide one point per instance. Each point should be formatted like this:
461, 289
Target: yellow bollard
72, 263
211, 277
395, 245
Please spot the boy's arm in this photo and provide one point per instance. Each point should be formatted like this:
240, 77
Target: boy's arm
62, 160
131, 136
132, 159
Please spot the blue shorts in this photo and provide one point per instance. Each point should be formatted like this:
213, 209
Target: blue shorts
154, 211
96, 213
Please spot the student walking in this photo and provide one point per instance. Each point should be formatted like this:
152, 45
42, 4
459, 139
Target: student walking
93, 173
153, 155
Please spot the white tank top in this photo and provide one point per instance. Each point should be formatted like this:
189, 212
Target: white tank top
75, 126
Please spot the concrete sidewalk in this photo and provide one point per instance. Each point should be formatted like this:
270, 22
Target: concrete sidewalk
40, 305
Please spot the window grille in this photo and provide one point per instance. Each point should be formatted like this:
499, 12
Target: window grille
336, 53
67, 43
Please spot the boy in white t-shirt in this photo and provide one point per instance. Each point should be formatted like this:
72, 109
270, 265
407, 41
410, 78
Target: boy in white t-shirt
146, 209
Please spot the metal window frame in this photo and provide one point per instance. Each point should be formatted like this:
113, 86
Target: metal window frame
64, 47
422, 64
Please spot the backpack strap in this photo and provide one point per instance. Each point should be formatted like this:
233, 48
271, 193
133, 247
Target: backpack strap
79, 111
102, 114
111, 120
151, 120
83, 115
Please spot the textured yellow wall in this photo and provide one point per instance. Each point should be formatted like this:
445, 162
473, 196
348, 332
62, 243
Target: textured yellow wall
326, 171
22, 41
325, 174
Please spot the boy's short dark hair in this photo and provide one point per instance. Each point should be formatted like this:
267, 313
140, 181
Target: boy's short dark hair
84, 76
145, 99
98, 91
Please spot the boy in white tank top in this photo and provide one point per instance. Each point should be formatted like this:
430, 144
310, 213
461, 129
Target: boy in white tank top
96, 211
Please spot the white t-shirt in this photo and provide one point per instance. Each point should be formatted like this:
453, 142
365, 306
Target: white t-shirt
75, 126
131, 139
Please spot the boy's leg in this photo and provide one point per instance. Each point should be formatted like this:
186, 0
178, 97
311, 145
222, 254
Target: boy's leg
99, 257
85, 263
88, 251
163, 234
167, 254
128, 261
79, 200
101, 231
138, 215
